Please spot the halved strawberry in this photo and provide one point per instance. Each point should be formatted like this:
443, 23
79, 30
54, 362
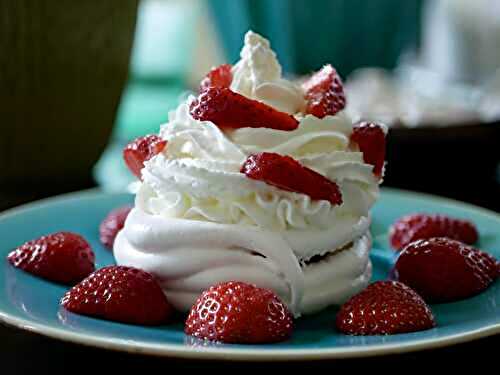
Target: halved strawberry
219, 76
444, 270
370, 138
140, 150
63, 257
286, 173
237, 312
384, 308
419, 226
324, 92
119, 293
112, 224
229, 109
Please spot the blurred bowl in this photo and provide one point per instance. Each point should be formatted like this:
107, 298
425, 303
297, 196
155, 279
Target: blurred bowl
63, 68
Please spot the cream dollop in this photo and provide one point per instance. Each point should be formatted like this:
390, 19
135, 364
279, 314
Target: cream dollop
258, 76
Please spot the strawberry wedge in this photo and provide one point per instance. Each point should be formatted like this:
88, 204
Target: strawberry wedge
140, 150
228, 109
219, 76
324, 93
370, 138
286, 173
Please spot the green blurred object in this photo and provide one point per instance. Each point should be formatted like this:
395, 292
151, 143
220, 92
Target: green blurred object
144, 107
307, 34
159, 66
63, 66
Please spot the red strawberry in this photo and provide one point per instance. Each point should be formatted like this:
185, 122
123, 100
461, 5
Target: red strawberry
112, 224
219, 76
236, 312
384, 308
140, 150
443, 270
63, 257
324, 92
286, 173
119, 293
370, 138
229, 109
421, 226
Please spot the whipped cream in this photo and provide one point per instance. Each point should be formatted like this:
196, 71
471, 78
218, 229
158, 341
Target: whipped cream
197, 220
258, 76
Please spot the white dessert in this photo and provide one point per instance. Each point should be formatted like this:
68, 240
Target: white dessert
198, 221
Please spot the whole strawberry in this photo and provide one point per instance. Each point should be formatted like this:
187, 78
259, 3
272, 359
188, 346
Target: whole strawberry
112, 224
237, 312
421, 226
384, 308
140, 150
63, 257
444, 270
119, 293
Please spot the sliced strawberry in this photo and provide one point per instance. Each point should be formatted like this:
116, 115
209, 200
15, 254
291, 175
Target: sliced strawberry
112, 224
119, 293
140, 150
63, 257
236, 312
228, 109
324, 93
286, 173
219, 76
370, 138
443, 270
384, 308
422, 226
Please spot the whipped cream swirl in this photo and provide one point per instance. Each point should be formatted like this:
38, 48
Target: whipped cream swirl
258, 76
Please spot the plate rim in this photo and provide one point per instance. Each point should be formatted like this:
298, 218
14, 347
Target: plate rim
252, 353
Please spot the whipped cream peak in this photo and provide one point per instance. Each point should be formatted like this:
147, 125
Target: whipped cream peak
258, 76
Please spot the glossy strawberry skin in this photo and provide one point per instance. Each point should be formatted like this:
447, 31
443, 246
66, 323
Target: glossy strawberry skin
140, 150
112, 224
63, 257
288, 174
418, 226
122, 294
228, 109
384, 308
370, 138
445, 270
324, 93
237, 312
219, 76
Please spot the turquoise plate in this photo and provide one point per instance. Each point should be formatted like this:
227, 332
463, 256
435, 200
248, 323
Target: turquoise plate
31, 303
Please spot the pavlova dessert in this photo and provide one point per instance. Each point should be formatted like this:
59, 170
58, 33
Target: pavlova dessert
253, 209
257, 179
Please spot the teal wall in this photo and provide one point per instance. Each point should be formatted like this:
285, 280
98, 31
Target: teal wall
309, 33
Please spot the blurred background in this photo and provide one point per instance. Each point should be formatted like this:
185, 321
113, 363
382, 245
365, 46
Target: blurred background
78, 80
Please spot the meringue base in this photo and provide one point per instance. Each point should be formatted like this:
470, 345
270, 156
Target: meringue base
352, 265
188, 257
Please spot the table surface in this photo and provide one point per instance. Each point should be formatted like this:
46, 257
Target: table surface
23, 352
